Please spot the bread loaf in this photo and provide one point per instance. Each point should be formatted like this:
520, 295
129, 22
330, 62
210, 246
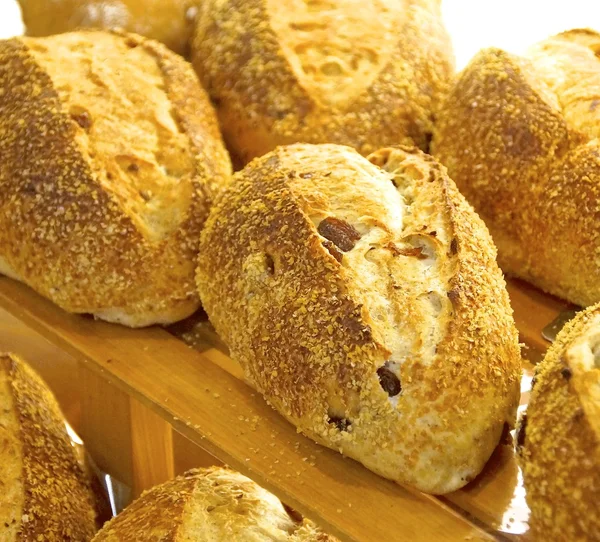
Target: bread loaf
364, 74
364, 301
559, 436
110, 159
209, 505
519, 137
168, 21
45, 494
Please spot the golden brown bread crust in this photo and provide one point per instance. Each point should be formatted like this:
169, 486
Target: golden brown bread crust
517, 136
56, 502
154, 517
69, 227
559, 435
209, 505
168, 21
311, 337
359, 74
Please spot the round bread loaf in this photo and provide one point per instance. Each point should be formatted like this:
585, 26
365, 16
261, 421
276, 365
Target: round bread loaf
209, 505
168, 21
520, 138
558, 439
111, 157
45, 493
363, 300
364, 74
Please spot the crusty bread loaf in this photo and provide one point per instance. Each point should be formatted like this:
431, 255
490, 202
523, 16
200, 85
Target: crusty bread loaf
364, 301
209, 505
519, 137
45, 494
364, 74
110, 159
559, 436
168, 21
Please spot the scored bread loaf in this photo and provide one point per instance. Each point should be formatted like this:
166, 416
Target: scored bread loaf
559, 435
364, 74
363, 300
45, 494
519, 135
111, 157
168, 21
209, 505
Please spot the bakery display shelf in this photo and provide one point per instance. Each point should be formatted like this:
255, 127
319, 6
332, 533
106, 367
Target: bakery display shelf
199, 391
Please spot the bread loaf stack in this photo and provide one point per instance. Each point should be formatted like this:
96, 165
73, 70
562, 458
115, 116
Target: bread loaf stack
210, 505
519, 135
45, 493
356, 287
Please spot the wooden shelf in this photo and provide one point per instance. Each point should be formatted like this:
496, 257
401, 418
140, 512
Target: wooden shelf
200, 392
534, 310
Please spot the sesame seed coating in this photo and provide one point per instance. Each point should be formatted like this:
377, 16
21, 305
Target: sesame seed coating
560, 435
344, 71
106, 177
56, 502
418, 299
519, 137
206, 505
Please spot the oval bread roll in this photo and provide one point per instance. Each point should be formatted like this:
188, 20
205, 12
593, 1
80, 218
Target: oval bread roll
364, 74
520, 138
45, 493
364, 301
168, 21
559, 436
111, 157
209, 505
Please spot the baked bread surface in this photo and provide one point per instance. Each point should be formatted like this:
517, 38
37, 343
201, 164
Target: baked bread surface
519, 137
559, 436
45, 495
168, 21
209, 505
364, 74
111, 157
363, 300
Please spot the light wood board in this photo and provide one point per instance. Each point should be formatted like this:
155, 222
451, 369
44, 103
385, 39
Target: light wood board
200, 392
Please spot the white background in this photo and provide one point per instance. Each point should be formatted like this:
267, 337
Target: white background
10, 18
510, 24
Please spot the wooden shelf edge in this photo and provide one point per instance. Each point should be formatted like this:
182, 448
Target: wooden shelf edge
221, 414
533, 311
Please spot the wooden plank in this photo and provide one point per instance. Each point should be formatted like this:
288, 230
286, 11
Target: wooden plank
188, 455
151, 448
494, 498
218, 412
534, 310
106, 424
